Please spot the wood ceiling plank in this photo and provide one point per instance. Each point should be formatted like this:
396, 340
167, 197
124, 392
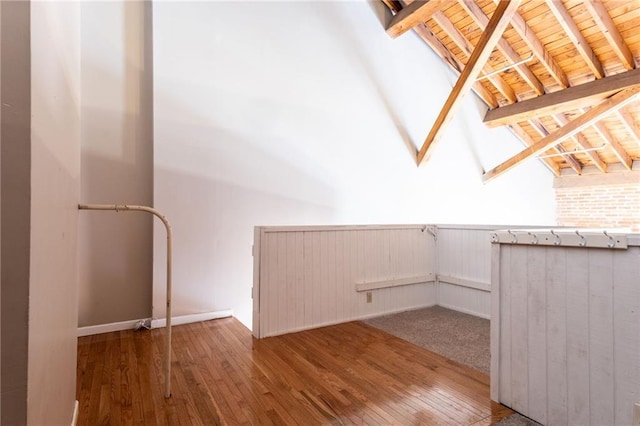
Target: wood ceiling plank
587, 119
415, 13
465, 82
584, 143
467, 49
481, 20
574, 34
600, 14
539, 51
575, 97
559, 149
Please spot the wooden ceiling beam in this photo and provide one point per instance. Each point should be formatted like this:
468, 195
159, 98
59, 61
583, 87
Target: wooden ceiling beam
575, 97
503, 45
601, 16
467, 49
573, 32
467, 79
539, 51
630, 125
587, 119
584, 143
559, 149
415, 13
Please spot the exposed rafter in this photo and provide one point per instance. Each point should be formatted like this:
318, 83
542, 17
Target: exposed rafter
630, 125
575, 97
615, 146
528, 141
598, 11
538, 50
487, 42
415, 13
509, 52
587, 119
465, 46
559, 149
574, 34
582, 141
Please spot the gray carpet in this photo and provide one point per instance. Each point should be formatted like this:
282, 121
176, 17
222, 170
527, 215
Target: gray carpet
454, 335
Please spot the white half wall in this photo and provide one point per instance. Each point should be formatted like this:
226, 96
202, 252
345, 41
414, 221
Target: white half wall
565, 336
307, 113
310, 277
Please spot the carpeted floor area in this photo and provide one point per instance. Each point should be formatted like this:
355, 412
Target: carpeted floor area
457, 336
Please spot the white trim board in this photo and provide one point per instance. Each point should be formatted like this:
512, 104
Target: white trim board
157, 323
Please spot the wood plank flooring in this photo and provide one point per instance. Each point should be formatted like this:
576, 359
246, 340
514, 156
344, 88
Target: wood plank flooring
345, 374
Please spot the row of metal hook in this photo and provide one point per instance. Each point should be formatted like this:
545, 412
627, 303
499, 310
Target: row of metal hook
557, 240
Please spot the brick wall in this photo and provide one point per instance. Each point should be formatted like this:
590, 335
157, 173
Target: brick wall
599, 201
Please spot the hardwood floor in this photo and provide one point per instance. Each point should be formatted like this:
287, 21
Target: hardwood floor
345, 374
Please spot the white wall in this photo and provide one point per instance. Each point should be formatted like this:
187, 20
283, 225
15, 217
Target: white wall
115, 250
55, 173
274, 113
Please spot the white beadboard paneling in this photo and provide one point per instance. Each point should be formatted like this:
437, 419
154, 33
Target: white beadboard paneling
577, 312
308, 277
556, 344
464, 299
464, 254
626, 334
569, 333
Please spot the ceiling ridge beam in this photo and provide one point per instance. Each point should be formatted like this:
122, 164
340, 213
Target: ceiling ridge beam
478, 15
573, 32
413, 14
574, 97
587, 119
466, 80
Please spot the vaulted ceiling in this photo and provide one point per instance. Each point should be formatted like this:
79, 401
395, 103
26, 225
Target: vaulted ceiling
561, 74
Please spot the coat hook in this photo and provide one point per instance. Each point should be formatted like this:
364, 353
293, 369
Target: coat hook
612, 241
557, 241
534, 238
583, 240
514, 237
495, 238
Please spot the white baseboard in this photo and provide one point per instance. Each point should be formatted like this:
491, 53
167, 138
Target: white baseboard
107, 328
155, 323
186, 319
465, 311
76, 408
